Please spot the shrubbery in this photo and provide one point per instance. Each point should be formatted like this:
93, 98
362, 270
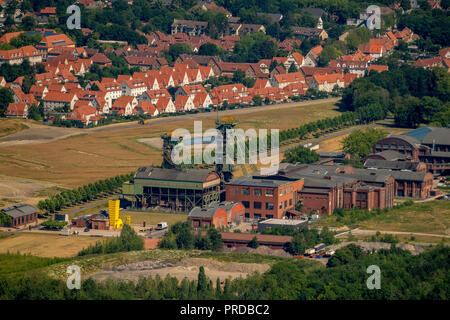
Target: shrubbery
128, 241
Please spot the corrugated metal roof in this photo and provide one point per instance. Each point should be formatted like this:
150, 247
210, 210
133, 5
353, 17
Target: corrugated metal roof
19, 211
190, 175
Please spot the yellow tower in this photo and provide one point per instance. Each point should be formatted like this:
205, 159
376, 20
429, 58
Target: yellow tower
114, 220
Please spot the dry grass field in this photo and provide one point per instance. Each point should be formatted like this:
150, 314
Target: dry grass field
45, 245
100, 153
10, 126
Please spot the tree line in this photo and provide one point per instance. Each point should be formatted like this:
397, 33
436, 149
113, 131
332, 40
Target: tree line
413, 95
83, 194
404, 276
128, 240
181, 236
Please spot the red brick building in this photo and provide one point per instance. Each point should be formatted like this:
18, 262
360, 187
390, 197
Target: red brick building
430, 145
21, 215
264, 197
232, 239
219, 215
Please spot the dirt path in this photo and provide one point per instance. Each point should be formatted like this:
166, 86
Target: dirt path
363, 232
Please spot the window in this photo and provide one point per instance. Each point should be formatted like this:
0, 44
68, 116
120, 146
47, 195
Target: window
281, 205
236, 191
290, 202
285, 203
290, 189
257, 215
269, 193
245, 191
285, 190
269, 206
246, 204
269, 216
281, 192
257, 192
247, 215
257, 205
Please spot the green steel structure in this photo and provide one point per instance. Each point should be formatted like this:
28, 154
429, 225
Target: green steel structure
174, 189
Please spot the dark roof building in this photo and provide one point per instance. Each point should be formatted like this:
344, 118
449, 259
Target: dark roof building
427, 144
176, 189
21, 215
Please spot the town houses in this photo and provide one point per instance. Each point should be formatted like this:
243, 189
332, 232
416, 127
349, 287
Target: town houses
154, 86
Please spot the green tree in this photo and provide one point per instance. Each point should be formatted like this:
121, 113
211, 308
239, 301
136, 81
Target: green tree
301, 154
253, 243
359, 143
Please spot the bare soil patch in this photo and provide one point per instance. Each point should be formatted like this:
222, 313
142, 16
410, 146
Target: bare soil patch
186, 268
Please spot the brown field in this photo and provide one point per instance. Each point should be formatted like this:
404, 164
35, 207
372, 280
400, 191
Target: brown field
335, 144
45, 245
10, 126
98, 153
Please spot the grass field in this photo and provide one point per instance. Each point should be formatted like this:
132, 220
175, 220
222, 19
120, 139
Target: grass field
425, 217
45, 245
80, 159
10, 126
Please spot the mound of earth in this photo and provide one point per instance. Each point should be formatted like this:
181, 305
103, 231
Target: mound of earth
186, 268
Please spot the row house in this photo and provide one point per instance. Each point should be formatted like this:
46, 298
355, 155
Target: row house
154, 95
429, 63
17, 110
165, 105
377, 68
133, 88
283, 80
146, 108
312, 57
356, 63
190, 91
17, 56
145, 63
327, 82
124, 105
237, 89
184, 103
191, 27
202, 100
85, 113
38, 92
55, 99
20, 96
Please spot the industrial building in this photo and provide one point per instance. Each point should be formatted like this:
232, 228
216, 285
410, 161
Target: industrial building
233, 239
219, 215
282, 223
175, 189
264, 197
21, 215
430, 145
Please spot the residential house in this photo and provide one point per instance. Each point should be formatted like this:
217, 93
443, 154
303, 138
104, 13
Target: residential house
154, 95
283, 80
16, 56
85, 113
165, 105
327, 82
147, 108
134, 88
17, 110
55, 99
124, 105
184, 103
307, 33
191, 27
101, 59
190, 91
312, 58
